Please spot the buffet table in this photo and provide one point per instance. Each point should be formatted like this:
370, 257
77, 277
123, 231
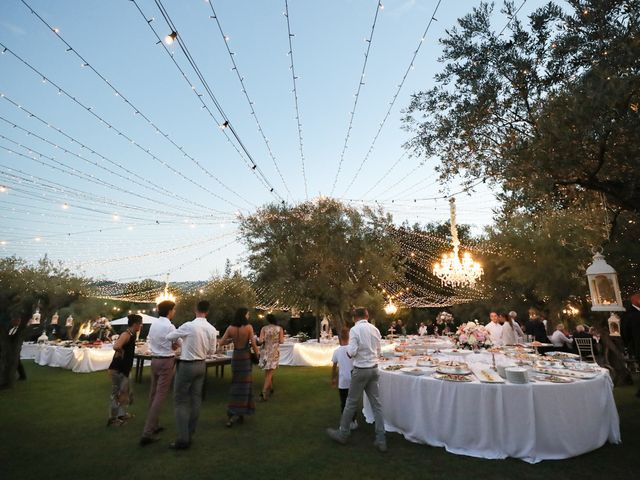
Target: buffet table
77, 359
307, 354
533, 421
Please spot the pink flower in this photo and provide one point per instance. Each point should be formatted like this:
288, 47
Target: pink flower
463, 339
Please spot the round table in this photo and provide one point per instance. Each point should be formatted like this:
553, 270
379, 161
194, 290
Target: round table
533, 422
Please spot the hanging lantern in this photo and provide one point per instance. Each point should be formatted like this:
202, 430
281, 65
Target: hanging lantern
603, 285
35, 318
69, 321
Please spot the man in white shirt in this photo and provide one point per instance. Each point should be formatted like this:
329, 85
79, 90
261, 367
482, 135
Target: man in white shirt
199, 339
162, 368
422, 331
364, 349
495, 329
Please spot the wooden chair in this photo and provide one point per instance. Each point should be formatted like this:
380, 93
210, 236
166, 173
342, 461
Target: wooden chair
585, 349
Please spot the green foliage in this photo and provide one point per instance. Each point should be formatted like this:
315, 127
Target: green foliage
226, 295
549, 111
24, 287
320, 255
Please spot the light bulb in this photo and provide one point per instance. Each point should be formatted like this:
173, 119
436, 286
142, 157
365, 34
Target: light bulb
169, 39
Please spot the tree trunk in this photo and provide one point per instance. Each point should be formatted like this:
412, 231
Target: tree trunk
10, 347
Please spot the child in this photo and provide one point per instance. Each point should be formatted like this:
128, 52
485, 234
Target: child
341, 372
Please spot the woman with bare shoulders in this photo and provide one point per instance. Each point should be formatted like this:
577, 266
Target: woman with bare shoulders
240, 332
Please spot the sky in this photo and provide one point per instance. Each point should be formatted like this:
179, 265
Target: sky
115, 163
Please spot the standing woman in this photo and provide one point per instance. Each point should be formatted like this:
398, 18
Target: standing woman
240, 332
508, 330
271, 336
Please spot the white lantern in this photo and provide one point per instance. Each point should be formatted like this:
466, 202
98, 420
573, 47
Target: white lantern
54, 319
35, 318
603, 286
69, 322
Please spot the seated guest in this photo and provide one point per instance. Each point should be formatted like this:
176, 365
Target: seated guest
582, 333
559, 339
402, 329
422, 331
535, 327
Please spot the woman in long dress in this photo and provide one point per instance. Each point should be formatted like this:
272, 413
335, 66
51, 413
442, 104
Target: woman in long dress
271, 336
240, 332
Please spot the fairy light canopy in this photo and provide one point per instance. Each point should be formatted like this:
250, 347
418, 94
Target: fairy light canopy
452, 270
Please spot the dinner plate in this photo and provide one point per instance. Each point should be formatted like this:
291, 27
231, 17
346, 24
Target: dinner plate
394, 368
416, 371
562, 355
443, 369
456, 351
554, 379
565, 372
487, 376
452, 378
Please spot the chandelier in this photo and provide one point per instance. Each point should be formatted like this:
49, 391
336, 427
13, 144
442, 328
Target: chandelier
390, 308
164, 296
452, 270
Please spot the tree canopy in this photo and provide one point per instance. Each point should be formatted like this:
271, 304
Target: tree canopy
321, 255
548, 110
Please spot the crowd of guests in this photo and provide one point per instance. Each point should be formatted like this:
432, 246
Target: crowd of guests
195, 340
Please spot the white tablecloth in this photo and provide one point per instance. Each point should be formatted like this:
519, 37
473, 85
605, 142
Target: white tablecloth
28, 351
533, 422
79, 360
307, 354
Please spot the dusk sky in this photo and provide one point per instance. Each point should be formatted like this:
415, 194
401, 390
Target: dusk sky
143, 181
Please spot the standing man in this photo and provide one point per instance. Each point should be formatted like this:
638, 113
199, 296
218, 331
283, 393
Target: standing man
199, 339
364, 349
630, 326
495, 329
535, 327
120, 368
162, 368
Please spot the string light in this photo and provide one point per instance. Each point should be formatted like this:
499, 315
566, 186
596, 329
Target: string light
394, 97
356, 97
240, 78
296, 102
169, 39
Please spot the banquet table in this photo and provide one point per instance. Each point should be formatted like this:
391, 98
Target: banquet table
307, 354
77, 359
532, 421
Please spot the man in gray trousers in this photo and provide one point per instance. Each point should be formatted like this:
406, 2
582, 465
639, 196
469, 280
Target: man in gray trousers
364, 349
199, 339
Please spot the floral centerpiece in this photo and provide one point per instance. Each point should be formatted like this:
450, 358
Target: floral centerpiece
472, 336
302, 337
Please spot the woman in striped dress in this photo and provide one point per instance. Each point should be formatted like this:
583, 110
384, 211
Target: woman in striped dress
240, 332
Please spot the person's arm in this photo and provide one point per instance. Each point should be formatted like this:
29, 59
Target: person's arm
252, 338
281, 339
226, 338
178, 333
334, 375
120, 342
352, 348
261, 341
213, 342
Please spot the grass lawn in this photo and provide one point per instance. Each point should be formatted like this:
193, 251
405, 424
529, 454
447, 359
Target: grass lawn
53, 426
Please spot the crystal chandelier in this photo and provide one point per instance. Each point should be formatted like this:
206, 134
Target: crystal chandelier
164, 296
390, 308
452, 270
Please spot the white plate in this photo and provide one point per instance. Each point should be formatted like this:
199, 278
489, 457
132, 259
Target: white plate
487, 376
453, 370
565, 372
562, 355
417, 371
456, 351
